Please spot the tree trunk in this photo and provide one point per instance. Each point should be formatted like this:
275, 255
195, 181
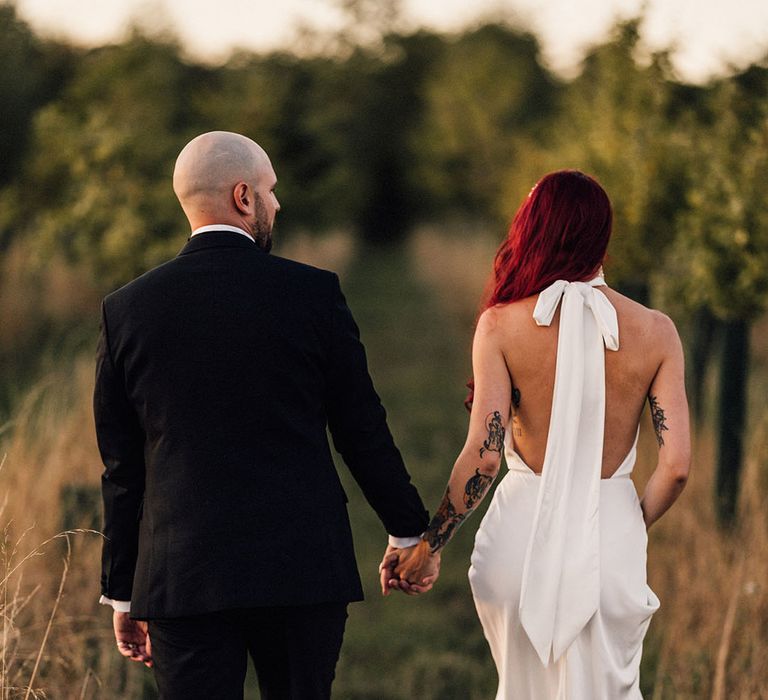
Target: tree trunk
734, 369
702, 349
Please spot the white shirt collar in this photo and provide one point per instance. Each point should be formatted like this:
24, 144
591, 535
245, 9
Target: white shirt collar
222, 227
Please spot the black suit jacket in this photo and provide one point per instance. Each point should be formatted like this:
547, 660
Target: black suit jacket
217, 374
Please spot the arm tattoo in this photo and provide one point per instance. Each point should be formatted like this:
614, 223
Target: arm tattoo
658, 417
475, 489
447, 519
444, 523
495, 441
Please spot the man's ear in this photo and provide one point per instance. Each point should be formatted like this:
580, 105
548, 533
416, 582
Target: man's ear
241, 198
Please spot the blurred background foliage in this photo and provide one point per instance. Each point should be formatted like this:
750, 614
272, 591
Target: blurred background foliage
401, 156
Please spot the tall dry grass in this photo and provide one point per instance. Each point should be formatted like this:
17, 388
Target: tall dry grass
33, 294
56, 641
708, 640
333, 250
455, 262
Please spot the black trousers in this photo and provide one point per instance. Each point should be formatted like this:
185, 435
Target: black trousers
294, 651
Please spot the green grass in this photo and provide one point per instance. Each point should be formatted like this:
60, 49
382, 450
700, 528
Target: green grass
431, 646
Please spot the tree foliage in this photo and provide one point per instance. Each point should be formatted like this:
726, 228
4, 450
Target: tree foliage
718, 265
615, 123
381, 128
31, 73
721, 252
488, 103
95, 186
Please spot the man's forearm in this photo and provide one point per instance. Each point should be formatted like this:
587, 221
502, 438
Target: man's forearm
122, 512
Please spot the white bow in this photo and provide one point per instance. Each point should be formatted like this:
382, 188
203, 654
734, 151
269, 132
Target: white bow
603, 310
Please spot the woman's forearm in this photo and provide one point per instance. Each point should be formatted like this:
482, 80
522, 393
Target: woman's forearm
457, 504
662, 490
472, 476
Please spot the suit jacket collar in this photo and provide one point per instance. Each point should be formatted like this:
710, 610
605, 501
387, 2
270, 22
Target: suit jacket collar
218, 239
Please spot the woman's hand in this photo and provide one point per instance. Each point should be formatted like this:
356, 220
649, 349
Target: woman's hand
417, 569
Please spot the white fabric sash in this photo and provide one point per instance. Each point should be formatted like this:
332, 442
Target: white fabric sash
561, 574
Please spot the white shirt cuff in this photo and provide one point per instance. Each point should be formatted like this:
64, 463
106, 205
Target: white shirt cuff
123, 606
403, 542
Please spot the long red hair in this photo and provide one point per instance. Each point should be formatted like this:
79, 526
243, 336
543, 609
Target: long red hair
560, 232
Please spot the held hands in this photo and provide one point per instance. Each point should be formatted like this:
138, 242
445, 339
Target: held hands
417, 569
132, 638
413, 570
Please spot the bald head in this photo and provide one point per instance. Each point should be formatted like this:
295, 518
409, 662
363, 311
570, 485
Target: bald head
214, 162
225, 178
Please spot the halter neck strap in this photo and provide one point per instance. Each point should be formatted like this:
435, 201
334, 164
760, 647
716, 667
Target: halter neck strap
561, 573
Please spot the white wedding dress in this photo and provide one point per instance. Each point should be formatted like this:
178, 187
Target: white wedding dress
558, 571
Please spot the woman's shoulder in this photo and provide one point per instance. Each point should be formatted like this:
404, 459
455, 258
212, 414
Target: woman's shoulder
506, 316
643, 318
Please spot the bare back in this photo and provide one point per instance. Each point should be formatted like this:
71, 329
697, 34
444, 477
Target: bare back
530, 353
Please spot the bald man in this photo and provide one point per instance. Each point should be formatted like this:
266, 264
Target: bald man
226, 531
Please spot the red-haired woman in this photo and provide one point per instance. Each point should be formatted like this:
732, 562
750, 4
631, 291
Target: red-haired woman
558, 570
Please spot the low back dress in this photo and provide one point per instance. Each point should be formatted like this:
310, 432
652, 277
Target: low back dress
558, 571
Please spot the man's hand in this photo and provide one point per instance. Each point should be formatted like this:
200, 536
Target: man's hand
132, 638
387, 567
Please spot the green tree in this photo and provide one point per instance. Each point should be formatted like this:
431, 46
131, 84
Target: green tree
386, 96
336, 127
617, 122
31, 73
270, 99
96, 187
488, 101
720, 260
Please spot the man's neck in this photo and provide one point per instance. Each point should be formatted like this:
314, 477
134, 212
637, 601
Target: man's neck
221, 227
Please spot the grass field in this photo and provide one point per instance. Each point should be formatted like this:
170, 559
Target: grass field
415, 307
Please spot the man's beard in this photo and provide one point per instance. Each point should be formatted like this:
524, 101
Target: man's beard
262, 237
261, 230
